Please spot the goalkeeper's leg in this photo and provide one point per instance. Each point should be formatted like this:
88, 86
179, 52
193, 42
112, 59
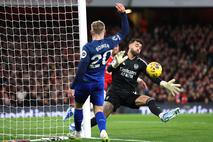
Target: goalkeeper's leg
150, 102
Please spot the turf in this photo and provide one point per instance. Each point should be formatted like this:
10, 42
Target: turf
184, 128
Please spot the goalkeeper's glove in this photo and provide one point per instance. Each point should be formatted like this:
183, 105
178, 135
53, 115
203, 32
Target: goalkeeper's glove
171, 86
118, 59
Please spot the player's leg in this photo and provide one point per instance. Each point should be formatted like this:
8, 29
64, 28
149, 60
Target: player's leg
97, 98
107, 109
112, 102
80, 98
143, 100
70, 110
78, 118
101, 121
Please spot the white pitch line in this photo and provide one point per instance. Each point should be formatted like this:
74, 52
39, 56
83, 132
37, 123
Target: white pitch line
124, 140
92, 138
95, 138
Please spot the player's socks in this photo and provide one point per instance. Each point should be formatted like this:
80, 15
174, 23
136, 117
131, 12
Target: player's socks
101, 120
93, 122
153, 108
78, 117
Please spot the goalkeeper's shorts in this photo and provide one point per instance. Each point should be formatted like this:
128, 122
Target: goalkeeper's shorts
118, 99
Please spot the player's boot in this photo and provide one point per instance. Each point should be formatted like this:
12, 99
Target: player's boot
69, 113
104, 136
170, 114
75, 135
78, 134
72, 127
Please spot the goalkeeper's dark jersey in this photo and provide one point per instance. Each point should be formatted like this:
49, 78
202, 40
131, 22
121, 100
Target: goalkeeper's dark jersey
124, 77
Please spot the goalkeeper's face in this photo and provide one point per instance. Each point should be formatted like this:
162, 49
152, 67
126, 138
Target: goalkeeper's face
135, 48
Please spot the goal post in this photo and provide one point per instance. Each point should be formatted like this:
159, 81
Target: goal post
40, 43
86, 132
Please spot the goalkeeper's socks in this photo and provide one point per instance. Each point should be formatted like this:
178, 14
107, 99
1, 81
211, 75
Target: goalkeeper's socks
101, 120
152, 106
78, 117
93, 122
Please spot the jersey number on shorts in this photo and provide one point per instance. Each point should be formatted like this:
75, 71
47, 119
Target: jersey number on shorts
99, 59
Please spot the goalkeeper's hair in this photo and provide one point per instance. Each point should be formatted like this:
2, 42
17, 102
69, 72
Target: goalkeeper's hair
138, 40
97, 27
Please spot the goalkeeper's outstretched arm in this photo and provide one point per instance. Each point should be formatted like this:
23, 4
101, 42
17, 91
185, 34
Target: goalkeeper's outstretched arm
171, 86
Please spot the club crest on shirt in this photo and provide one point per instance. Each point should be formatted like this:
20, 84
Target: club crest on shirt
136, 66
107, 97
116, 37
83, 54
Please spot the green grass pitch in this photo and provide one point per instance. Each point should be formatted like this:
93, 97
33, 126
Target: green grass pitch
121, 128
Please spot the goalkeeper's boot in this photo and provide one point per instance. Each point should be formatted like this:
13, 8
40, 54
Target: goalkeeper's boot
170, 114
104, 136
69, 113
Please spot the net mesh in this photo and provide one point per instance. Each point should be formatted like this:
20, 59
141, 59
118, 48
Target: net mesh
39, 52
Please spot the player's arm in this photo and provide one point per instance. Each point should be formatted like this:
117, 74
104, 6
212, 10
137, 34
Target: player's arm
142, 83
82, 67
118, 37
156, 80
172, 87
124, 19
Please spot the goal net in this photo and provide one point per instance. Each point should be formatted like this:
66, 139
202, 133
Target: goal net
39, 53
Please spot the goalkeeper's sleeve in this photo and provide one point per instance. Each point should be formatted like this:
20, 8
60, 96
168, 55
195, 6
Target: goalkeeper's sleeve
171, 86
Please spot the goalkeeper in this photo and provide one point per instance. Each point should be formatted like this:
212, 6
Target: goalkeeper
125, 72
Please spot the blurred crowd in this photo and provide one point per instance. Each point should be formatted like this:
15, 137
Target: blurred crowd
38, 66
186, 54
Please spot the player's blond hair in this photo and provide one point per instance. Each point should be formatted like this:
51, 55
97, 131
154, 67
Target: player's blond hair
97, 27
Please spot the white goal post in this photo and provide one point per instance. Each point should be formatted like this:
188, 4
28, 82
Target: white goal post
86, 132
40, 43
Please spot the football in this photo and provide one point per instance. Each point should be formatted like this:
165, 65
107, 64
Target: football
154, 69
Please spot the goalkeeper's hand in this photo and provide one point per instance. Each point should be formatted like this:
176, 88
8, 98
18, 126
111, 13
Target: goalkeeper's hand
118, 59
171, 86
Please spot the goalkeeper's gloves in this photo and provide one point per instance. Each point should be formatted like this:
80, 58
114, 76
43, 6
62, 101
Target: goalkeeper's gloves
171, 86
118, 59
